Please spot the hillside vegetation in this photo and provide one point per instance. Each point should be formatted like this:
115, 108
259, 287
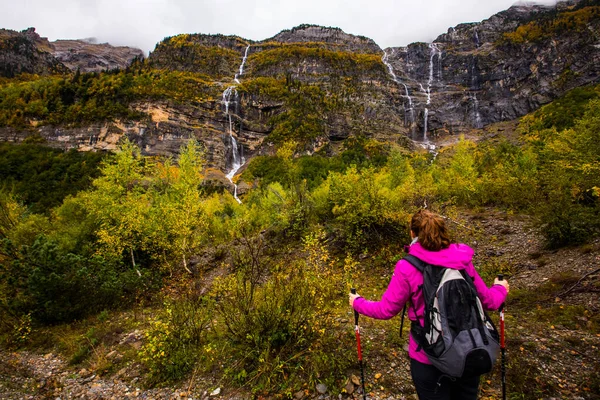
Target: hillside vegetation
88, 97
254, 293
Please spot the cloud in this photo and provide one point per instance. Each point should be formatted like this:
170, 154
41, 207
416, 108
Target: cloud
143, 23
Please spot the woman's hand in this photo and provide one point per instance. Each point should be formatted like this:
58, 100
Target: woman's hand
502, 282
351, 298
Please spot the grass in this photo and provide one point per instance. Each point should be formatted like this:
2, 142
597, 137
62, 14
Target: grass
87, 342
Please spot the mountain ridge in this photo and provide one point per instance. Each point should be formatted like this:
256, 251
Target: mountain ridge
319, 85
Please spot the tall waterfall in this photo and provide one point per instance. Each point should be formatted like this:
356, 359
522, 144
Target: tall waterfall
477, 123
434, 51
242, 65
230, 96
411, 109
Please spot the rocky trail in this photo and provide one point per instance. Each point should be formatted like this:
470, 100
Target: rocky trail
552, 318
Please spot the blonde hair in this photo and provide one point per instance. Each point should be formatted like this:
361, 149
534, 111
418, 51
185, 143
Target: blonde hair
431, 230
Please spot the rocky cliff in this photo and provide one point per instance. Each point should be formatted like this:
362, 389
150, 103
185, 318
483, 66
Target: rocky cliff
27, 52
499, 69
88, 56
319, 85
331, 37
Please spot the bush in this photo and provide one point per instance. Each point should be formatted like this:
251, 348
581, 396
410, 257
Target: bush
174, 341
280, 332
363, 214
54, 286
42, 177
570, 178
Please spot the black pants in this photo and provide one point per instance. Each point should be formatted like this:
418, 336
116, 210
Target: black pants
431, 385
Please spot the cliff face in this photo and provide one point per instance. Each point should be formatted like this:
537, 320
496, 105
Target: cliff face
317, 85
499, 69
333, 38
311, 84
93, 57
216, 56
26, 52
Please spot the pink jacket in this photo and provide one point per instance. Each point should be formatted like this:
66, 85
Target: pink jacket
406, 279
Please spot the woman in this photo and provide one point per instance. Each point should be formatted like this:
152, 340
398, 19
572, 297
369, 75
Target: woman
431, 244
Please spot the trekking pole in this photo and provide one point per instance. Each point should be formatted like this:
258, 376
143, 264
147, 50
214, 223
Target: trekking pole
502, 345
360, 360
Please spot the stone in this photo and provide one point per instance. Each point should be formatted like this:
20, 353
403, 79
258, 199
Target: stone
321, 388
215, 392
349, 387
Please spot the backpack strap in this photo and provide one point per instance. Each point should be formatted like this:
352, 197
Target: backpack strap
432, 274
416, 329
415, 262
418, 264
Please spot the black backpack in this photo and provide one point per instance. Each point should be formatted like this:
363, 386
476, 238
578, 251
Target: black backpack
458, 337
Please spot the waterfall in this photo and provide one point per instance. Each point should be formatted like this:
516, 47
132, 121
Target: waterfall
237, 156
406, 95
476, 115
434, 51
242, 65
425, 118
474, 74
477, 43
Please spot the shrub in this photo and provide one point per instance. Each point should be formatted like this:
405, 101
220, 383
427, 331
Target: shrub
570, 178
280, 332
457, 176
174, 341
42, 177
54, 286
362, 212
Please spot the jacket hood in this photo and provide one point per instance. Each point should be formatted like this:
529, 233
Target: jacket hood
456, 256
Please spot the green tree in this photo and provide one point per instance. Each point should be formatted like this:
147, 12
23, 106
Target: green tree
120, 204
570, 179
178, 208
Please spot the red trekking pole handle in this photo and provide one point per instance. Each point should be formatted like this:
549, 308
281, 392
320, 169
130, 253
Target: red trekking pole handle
502, 345
360, 359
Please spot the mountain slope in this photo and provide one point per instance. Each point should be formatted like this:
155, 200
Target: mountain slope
501, 68
26, 52
317, 86
87, 56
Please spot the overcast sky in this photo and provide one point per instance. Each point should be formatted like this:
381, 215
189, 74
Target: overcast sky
142, 23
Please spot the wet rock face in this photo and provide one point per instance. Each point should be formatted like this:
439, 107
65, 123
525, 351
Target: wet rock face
477, 78
92, 57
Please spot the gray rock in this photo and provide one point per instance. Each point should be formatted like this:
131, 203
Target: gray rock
321, 388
